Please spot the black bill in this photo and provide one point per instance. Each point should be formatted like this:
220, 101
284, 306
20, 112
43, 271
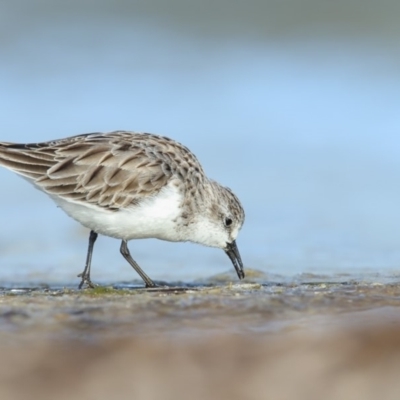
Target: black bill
233, 253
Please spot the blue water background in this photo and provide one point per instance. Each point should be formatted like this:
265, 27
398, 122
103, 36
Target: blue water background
298, 114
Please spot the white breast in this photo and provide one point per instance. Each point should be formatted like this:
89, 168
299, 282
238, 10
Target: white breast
154, 217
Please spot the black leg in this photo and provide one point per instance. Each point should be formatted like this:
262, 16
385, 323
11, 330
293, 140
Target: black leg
85, 275
125, 252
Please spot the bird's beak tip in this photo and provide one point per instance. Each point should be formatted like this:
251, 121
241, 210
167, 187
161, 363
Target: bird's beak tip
233, 253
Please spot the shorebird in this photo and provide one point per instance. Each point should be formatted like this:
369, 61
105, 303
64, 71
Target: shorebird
130, 185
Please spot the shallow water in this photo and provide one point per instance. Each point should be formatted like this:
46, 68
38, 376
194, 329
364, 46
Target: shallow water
297, 112
186, 310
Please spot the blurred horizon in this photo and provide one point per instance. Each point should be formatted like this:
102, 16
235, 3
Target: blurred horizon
294, 105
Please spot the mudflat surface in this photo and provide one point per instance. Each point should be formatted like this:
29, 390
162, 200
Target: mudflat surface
305, 338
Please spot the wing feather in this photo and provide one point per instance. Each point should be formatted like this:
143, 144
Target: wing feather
109, 170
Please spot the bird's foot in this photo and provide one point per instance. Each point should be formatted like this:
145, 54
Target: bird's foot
86, 282
164, 288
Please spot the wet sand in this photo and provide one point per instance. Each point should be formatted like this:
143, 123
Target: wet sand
308, 338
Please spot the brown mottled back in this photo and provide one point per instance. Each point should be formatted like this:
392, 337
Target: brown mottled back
111, 170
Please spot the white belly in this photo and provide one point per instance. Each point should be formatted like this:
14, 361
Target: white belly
155, 217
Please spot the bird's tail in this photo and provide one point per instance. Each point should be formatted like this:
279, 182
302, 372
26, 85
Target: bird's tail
29, 162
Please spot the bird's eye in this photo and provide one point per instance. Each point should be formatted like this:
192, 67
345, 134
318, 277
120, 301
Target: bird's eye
228, 221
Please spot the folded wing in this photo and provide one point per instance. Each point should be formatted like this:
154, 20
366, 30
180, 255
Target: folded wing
90, 168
